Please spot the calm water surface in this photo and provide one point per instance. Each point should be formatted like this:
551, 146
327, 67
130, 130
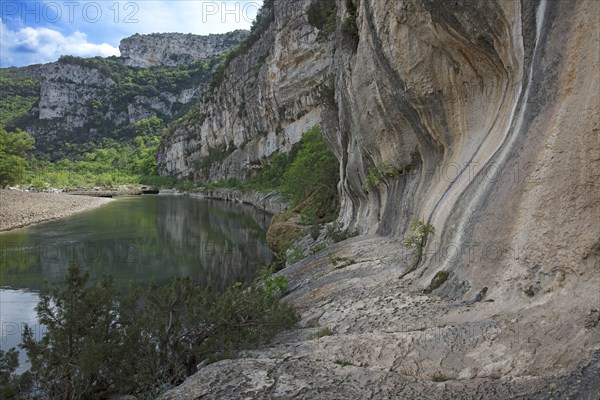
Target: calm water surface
138, 240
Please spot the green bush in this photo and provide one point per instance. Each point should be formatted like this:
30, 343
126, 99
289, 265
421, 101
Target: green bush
336, 232
325, 331
13, 146
438, 280
419, 232
321, 14
315, 170
349, 26
384, 171
101, 343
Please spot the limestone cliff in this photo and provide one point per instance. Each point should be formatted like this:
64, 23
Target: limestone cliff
268, 97
84, 100
173, 49
481, 118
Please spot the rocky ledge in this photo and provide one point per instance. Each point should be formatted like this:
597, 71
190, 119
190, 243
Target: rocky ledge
271, 203
365, 334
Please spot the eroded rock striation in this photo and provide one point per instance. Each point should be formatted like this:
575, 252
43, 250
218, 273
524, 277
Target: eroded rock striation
482, 120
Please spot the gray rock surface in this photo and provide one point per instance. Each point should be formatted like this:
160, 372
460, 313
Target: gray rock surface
271, 203
172, 49
490, 110
268, 98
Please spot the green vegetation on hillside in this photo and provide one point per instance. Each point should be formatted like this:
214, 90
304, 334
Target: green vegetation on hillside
13, 162
19, 92
109, 163
135, 81
307, 175
101, 343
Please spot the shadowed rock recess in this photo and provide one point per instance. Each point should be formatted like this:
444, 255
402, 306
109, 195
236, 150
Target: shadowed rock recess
483, 116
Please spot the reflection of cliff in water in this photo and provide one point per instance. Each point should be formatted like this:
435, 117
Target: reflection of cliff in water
225, 240
140, 240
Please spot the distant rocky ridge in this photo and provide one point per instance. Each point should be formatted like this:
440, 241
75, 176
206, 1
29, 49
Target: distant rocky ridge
84, 100
174, 49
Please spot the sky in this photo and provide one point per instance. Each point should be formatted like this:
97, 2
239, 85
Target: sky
33, 32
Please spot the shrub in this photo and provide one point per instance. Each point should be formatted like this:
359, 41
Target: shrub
381, 172
327, 91
349, 26
275, 288
314, 171
13, 146
336, 233
437, 281
100, 343
440, 377
325, 331
321, 14
420, 231
340, 262
295, 254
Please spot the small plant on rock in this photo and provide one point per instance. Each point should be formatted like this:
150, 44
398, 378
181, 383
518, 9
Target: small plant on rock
326, 331
419, 232
343, 363
384, 171
336, 233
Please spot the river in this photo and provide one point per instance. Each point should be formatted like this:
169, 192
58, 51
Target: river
138, 240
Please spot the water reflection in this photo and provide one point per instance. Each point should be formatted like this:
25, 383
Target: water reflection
139, 240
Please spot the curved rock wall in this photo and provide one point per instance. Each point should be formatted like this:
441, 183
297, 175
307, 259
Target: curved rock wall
472, 100
483, 118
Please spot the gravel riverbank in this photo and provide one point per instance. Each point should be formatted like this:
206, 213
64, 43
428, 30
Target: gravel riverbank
19, 208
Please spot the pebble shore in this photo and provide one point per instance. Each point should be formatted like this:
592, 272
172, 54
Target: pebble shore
18, 208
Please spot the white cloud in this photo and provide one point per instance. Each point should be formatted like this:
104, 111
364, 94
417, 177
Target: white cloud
199, 17
28, 40
31, 45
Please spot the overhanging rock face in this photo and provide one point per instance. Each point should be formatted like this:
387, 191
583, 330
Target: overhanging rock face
482, 119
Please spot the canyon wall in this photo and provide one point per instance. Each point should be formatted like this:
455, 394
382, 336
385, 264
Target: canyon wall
173, 49
479, 118
268, 97
87, 99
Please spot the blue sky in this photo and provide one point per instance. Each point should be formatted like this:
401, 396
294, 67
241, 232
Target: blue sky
34, 32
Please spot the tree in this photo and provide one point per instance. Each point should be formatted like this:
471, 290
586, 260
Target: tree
99, 344
13, 146
82, 343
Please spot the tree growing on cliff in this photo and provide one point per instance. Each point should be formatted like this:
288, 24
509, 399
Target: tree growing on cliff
13, 146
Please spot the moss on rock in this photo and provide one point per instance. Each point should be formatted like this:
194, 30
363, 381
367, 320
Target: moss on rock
437, 281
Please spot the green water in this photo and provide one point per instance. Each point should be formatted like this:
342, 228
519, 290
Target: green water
138, 240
